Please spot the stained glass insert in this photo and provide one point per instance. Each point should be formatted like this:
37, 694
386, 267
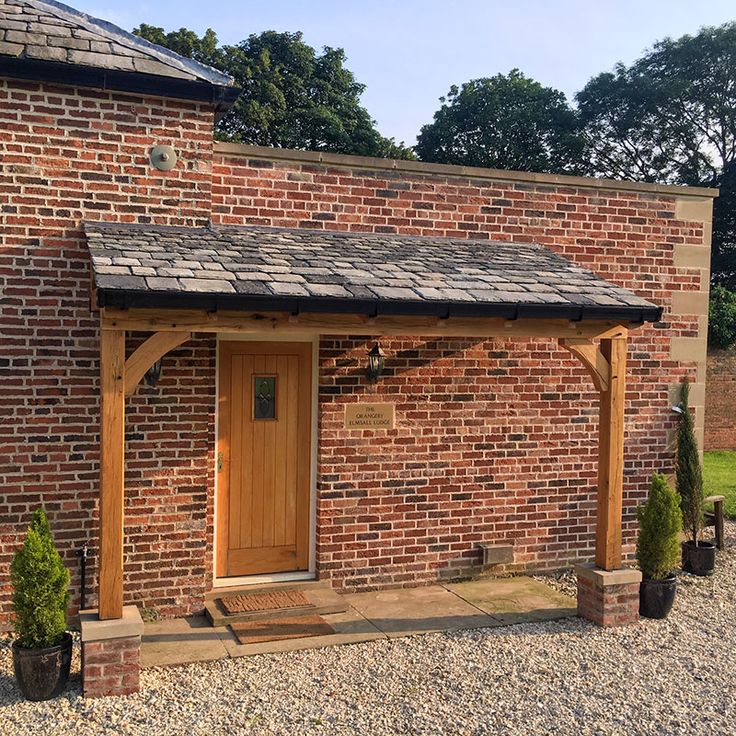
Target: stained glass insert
264, 397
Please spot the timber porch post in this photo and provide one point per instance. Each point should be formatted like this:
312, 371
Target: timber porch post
608, 594
112, 464
612, 398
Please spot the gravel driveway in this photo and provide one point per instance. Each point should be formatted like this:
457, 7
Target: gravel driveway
568, 677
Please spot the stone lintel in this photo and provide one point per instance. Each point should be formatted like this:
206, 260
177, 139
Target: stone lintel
93, 629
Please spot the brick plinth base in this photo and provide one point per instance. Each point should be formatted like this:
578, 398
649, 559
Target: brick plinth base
608, 597
111, 654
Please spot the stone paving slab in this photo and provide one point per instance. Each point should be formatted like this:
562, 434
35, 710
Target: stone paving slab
515, 600
180, 641
418, 611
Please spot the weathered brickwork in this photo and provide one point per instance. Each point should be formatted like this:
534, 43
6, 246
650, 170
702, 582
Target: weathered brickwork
111, 666
66, 155
615, 606
720, 401
494, 441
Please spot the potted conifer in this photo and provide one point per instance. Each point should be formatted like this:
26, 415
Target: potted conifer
658, 549
42, 652
698, 556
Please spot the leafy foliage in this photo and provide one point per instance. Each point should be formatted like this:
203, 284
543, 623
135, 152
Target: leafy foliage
722, 318
723, 254
505, 122
689, 473
671, 117
40, 587
292, 97
623, 130
203, 49
660, 523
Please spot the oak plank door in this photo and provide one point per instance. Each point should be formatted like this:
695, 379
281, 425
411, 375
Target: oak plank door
263, 466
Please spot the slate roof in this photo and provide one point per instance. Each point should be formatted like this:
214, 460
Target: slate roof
265, 268
49, 31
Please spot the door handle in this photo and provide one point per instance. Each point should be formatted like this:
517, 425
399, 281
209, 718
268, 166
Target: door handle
220, 461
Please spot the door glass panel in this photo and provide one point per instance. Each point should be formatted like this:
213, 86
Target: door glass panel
264, 397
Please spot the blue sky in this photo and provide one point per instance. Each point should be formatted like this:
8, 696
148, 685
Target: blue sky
409, 52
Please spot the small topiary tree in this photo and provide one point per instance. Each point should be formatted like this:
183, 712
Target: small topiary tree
660, 523
40, 588
689, 476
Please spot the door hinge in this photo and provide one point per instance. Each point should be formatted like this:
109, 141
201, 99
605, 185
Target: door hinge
220, 461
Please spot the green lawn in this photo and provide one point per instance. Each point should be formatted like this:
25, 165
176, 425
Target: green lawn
720, 478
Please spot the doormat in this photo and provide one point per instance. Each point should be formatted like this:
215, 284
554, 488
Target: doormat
297, 627
268, 600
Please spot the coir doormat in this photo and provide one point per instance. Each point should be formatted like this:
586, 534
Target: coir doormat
296, 627
269, 600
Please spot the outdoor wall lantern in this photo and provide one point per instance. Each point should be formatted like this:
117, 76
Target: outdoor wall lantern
678, 409
152, 375
375, 363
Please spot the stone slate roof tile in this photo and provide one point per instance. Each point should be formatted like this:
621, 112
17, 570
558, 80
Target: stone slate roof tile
46, 30
280, 268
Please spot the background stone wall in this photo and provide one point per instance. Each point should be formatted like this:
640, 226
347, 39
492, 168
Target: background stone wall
720, 401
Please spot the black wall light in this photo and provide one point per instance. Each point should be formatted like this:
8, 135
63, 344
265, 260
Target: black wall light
375, 363
152, 375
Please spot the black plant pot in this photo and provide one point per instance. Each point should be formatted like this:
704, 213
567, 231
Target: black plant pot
700, 559
657, 596
43, 673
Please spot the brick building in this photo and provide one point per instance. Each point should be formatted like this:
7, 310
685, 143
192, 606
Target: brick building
262, 278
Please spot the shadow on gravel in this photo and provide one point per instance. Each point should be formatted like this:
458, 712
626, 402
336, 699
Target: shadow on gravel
10, 693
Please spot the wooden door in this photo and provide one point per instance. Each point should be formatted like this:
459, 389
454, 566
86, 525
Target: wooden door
263, 461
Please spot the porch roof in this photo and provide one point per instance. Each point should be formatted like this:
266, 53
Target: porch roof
297, 270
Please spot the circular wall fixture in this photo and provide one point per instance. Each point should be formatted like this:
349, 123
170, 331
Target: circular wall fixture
163, 158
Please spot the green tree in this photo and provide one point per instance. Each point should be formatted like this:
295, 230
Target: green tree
292, 96
660, 523
505, 122
187, 43
40, 587
671, 117
722, 318
623, 129
723, 253
689, 473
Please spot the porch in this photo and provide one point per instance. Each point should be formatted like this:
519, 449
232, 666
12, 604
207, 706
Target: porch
351, 285
487, 603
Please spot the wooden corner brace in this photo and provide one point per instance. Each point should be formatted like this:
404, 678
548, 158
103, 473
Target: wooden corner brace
147, 353
590, 355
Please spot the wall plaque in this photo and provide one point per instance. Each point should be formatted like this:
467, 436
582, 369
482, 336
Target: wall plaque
369, 416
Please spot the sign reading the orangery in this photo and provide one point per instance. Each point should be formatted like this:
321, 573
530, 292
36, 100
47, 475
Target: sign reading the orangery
369, 416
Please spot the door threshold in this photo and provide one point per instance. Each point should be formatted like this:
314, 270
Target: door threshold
279, 577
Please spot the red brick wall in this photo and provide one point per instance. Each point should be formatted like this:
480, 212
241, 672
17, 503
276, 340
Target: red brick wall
68, 155
494, 442
720, 401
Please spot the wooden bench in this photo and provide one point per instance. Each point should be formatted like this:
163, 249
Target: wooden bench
716, 518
